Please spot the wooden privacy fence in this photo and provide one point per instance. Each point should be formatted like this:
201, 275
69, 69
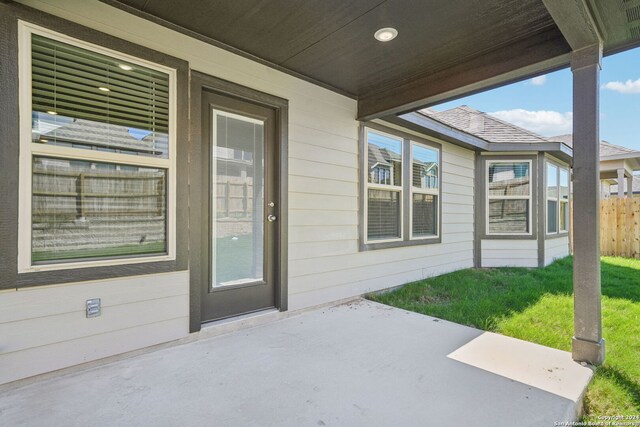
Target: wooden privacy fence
620, 227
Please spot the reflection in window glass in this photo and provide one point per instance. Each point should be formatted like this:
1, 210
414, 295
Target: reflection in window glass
384, 159
564, 184
552, 181
509, 194
564, 200
509, 179
508, 216
425, 167
83, 209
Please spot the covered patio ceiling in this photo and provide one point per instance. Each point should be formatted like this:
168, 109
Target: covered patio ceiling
445, 48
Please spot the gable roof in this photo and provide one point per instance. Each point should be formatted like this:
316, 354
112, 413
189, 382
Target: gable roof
484, 125
102, 135
606, 148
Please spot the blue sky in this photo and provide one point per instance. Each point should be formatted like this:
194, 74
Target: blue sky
544, 104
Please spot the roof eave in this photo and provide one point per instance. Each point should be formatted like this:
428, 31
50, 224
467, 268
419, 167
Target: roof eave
425, 125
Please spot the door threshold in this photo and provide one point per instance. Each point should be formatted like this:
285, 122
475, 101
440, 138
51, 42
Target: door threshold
236, 323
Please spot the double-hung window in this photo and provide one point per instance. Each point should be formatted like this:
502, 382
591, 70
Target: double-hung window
557, 193
425, 188
97, 158
384, 187
509, 197
401, 190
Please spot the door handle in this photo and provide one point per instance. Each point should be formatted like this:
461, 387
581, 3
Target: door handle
271, 218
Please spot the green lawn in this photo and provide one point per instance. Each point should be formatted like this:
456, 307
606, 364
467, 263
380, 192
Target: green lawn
537, 305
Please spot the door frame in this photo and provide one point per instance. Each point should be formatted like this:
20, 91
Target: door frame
198, 181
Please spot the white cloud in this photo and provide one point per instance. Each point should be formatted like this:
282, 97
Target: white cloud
627, 87
539, 81
546, 123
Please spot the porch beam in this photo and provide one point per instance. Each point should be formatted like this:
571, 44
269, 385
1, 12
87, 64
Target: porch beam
542, 52
587, 344
576, 22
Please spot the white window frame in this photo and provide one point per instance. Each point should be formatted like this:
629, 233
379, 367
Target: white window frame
434, 192
384, 187
28, 150
489, 197
566, 202
558, 200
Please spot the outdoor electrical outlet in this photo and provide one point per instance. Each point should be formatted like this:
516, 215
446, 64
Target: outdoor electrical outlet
94, 307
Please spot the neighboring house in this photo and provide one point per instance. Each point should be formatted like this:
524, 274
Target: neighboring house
527, 219
617, 164
165, 165
613, 189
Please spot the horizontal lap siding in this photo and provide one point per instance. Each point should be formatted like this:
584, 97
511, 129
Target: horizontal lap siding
325, 263
555, 249
509, 253
45, 328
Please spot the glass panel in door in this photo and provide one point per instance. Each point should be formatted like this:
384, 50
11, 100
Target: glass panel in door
238, 200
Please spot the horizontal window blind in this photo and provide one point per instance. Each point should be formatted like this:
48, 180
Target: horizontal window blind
74, 82
383, 218
509, 179
424, 215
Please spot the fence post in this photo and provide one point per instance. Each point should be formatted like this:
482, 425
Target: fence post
80, 190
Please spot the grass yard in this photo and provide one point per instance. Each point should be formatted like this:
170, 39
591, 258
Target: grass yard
537, 305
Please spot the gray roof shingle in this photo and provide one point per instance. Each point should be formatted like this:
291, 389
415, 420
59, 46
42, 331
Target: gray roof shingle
483, 125
606, 148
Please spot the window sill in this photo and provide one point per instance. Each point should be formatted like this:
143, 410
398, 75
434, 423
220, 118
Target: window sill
508, 237
557, 235
371, 246
96, 263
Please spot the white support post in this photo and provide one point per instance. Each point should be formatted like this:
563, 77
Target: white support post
621, 183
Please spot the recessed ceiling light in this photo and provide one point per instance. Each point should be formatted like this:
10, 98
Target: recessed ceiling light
386, 34
104, 89
125, 67
53, 113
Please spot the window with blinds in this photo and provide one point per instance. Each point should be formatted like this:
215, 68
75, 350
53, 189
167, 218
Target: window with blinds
399, 210
509, 197
99, 160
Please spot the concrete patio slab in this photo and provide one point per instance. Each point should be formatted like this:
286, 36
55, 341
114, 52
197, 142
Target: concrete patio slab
358, 364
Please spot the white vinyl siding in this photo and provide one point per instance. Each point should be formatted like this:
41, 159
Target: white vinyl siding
45, 328
509, 253
555, 249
